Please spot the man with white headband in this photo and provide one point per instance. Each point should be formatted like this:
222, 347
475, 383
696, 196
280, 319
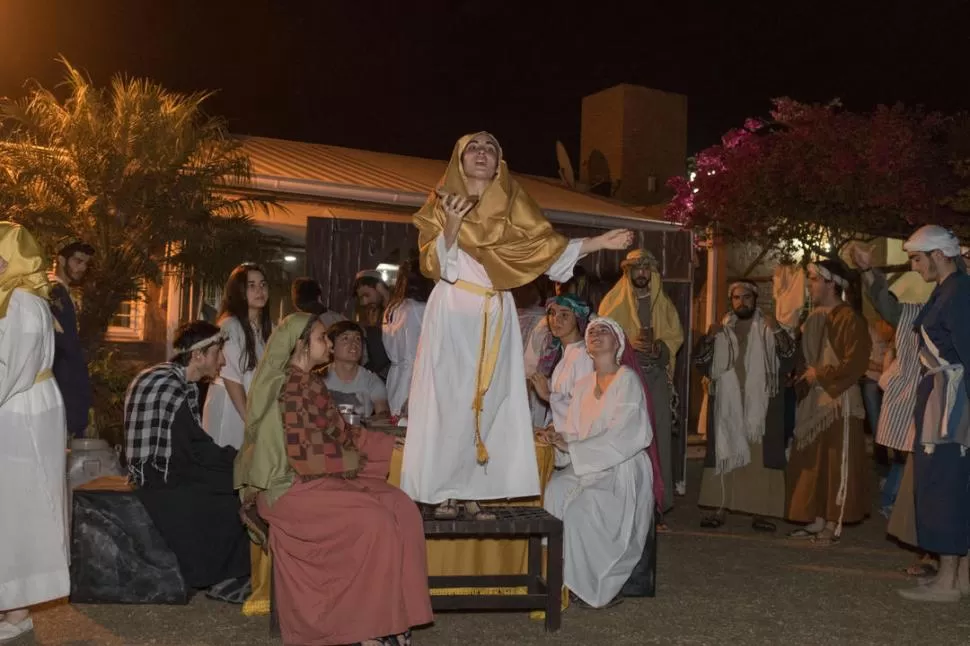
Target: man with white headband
744, 359
184, 478
827, 468
940, 460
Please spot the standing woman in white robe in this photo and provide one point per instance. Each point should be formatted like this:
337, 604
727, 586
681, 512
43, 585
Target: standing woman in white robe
33, 439
480, 235
605, 495
401, 331
244, 317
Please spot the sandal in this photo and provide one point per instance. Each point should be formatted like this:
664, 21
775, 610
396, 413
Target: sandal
761, 525
921, 570
825, 539
801, 534
448, 510
475, 510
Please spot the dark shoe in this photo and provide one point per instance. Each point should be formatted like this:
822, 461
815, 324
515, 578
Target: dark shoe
579, 603
761, 525
712, 522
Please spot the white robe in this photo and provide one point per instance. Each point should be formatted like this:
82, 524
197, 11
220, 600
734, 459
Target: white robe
34, 552
401, 335
439, 452
574, 365
605, 496
220, 419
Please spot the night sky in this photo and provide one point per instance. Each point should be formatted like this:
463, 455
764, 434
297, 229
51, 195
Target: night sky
411, 76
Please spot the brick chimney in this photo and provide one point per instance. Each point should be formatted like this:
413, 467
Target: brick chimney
633, 138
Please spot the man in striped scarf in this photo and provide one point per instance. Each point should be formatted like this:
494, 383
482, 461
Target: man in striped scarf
743, 358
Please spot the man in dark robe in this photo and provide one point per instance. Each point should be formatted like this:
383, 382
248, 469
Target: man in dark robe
70, 363
744, 359
184, 478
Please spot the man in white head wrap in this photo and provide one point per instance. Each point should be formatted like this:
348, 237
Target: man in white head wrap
828, 470
940, 458
744, 357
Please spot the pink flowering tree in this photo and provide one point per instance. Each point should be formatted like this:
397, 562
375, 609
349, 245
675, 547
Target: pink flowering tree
815, 177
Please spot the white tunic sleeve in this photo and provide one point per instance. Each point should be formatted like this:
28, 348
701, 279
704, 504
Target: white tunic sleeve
234, 351
620, 431
562, 269
22, 333
447, 259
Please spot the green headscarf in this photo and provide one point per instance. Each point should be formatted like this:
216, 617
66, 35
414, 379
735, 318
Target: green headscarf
261, 464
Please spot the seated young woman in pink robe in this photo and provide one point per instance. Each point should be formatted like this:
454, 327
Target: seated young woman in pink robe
348, 548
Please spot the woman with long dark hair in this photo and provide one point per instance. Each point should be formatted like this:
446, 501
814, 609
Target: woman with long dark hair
401, 330
244, 317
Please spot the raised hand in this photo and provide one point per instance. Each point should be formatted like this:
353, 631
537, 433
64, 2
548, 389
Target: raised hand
455, 206
617, 239
861, 257
541, 385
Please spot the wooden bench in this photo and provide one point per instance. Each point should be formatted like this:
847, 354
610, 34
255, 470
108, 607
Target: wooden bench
533, 523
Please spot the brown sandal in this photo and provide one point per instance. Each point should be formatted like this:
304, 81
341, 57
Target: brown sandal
475, 510
448, 510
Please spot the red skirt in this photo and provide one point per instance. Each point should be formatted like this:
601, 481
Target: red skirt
349, 561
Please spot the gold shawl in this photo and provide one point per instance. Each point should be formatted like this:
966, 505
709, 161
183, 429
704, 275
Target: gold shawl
620, 304
261, 464
26, 265
505, 231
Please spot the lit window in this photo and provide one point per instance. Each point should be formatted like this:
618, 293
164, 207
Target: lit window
128, 323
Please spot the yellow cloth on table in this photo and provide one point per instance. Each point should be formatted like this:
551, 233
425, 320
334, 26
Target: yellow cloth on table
446, 557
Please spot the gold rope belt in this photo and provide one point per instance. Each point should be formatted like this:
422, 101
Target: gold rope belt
487, 358
43, 376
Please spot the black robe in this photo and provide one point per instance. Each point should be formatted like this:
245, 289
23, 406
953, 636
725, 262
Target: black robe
70, 365
196, 509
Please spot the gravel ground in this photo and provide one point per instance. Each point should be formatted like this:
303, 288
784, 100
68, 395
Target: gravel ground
728, 586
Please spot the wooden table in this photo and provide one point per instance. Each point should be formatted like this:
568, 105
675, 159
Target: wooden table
530, 591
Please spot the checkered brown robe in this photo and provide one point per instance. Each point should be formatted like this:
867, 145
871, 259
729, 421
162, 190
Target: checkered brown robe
318, 441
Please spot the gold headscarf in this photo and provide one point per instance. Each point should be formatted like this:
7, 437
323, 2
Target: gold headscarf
620, 304
261, 464
505, 231
26, 265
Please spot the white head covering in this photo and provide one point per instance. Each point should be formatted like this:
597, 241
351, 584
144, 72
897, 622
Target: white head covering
932, 237
605, 321
823, 271
746, 285
218, 337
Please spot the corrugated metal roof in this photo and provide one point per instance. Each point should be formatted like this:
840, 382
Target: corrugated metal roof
279, 159
299, 160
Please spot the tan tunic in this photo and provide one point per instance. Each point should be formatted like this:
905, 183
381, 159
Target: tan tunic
814, 471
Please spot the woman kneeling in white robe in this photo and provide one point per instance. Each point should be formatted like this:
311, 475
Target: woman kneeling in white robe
605, 494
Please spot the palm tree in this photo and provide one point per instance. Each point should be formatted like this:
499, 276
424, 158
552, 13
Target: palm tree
137, 171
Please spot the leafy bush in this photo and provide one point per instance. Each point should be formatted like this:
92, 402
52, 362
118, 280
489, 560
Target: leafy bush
110, 377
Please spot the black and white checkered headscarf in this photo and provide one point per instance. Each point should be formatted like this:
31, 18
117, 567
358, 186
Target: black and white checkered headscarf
152, 400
